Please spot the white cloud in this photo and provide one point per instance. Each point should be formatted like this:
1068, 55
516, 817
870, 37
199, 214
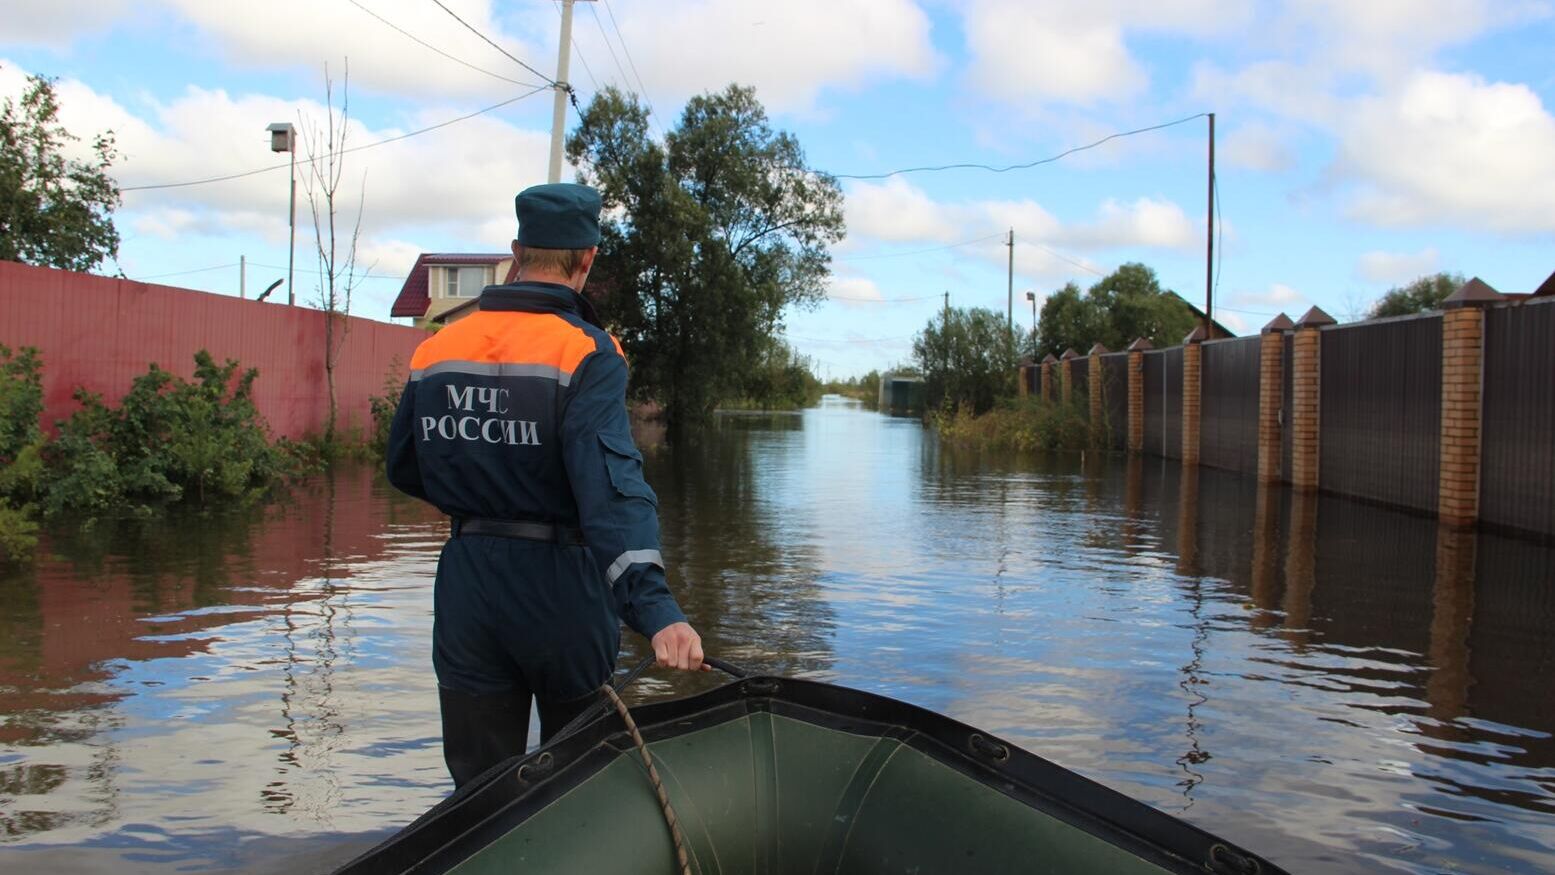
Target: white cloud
1257, 146
1147, 222
56, 22
306, 34
1387, 37
789, 52
1395, 267
853, 291
897, 211
1026, 52
1247, 307
1452, 148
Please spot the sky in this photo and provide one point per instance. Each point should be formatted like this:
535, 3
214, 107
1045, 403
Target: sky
1358, 144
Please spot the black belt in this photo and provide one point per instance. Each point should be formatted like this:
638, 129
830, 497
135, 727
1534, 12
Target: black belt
523, 529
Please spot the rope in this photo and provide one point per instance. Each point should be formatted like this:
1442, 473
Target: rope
653, 776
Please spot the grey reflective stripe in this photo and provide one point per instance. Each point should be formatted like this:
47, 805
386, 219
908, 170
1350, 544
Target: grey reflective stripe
632, 557
492, 369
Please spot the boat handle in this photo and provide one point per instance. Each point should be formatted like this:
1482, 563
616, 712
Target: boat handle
986, 748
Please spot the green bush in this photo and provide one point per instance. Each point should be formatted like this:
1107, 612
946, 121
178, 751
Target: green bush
1023, 424
18, 534
168, 440
21, 443
383, 406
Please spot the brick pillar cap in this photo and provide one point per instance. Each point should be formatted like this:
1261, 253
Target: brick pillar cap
1049, 359
1197, 335
1140, 345
1315, 318
1474, 293
1546, 289
1279, 323
1070, 354
1098, 349
1026, 361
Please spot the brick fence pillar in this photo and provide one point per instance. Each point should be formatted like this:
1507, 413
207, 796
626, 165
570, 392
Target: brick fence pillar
1096, 383
1066, 374
1048, 393
1136, 395
1271, 397
1023, 373
1306, 400
1463, 336
1192, 385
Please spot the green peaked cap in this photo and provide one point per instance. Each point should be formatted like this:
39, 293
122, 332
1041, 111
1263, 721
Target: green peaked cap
558, 215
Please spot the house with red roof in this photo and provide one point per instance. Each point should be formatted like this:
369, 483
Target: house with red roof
441, 283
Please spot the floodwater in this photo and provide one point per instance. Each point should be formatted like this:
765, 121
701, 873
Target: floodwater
1340, 687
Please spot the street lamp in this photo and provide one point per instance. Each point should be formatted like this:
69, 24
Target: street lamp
1032, 297
283, 138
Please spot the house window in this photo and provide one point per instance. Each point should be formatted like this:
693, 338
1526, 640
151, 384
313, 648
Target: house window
465, 282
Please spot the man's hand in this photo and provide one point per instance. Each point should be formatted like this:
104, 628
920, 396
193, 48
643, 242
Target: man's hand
678, 646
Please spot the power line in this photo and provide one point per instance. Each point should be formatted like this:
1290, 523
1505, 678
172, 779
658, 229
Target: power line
473, 29
157, 276
882, 300
372, 276
621, 36
625, 80
916, 251
428, 45
1049, 160
1062, 257
364, 146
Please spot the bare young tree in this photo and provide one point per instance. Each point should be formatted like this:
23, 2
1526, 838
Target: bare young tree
325, 144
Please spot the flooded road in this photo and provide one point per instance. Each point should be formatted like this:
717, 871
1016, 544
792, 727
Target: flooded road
1337, 686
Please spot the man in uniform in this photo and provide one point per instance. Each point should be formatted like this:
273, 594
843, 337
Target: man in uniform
514, 424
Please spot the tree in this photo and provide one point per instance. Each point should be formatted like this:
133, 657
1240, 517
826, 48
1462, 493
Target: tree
54, 211
1126, 304
705, 241
967, 358
1425, 293
338, 276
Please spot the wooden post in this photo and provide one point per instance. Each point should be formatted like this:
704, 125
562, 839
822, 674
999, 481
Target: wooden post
1463, 336
1192, 384
1271, 397
1136, 395
1306, 400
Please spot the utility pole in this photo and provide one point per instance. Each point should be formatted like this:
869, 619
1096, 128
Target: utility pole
242, 276
559, 105
1009, 309
1209, 248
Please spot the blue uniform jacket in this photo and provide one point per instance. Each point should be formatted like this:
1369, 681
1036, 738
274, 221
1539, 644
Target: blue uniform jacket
518, 412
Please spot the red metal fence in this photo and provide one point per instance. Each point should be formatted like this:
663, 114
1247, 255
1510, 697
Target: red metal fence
100, 333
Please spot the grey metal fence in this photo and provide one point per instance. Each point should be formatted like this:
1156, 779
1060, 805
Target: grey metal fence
1381, 410
1080, 379
1171, 402
1517, 425
1228, 415
1114, 399
1154, 380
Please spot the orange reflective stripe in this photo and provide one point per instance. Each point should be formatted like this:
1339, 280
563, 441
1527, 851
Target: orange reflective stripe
506, 337
619, 351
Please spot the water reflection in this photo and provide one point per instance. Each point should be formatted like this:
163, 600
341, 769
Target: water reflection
1343, 687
